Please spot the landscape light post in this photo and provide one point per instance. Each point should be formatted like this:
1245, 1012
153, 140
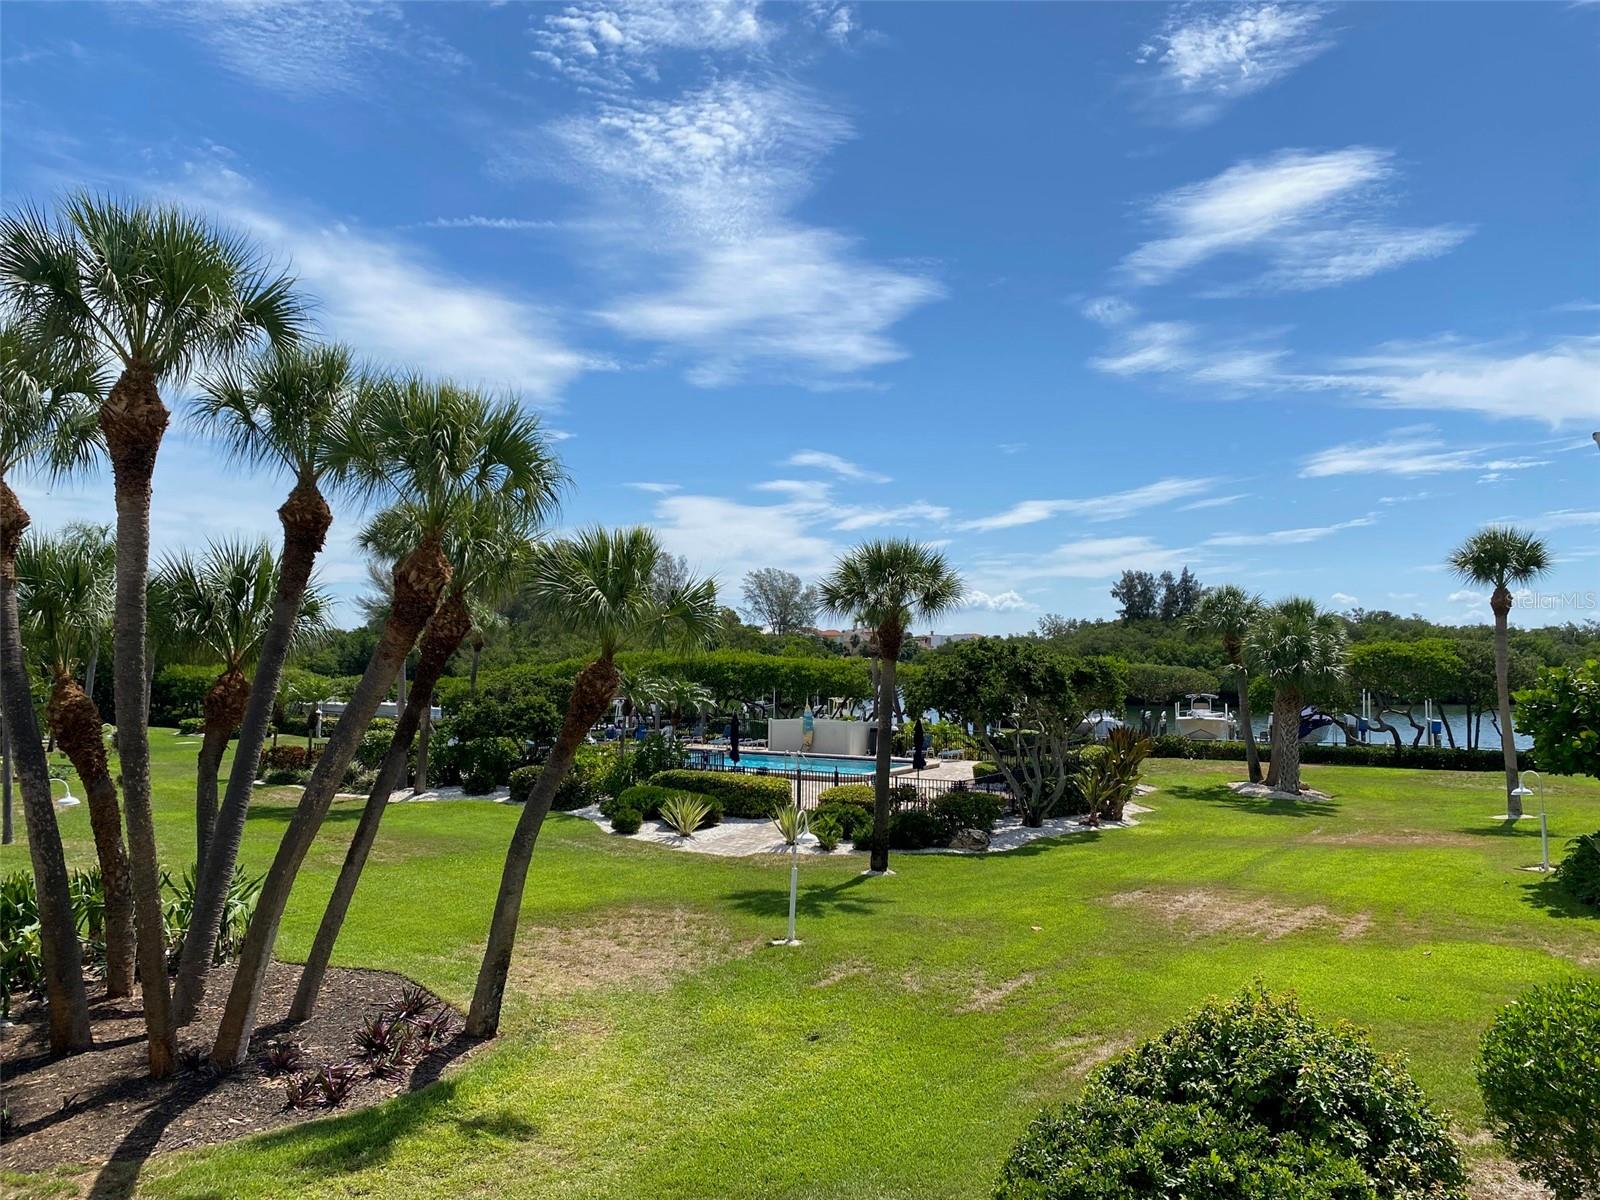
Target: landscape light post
1522, 789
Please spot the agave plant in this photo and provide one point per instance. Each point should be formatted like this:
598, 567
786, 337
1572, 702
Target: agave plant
281, 1057
334, 1083
792, 822
434, 1031
414, 1004
684, 812
382, 1037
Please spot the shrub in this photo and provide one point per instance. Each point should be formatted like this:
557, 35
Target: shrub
741, 795
1579, 871
640, 761
858, 794
826, 829
179, 691
955, 811
626, 820
649, 799
1539, 1069
576, 789
375, 742
21, 957
191, 726
850, 818
982, 768
289, 758
486, 763
523, 703
913, 829
1257, 1059
1107, 1146
684, 811
238, 908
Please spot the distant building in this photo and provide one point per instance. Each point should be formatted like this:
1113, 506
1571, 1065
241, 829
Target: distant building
935, 640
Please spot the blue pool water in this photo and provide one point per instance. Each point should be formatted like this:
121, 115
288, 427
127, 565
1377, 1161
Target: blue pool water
812, 764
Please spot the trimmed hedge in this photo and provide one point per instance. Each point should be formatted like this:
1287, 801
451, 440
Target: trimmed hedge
955, 811
626, 820
740, 795
1428, 758
647, 799
858, 794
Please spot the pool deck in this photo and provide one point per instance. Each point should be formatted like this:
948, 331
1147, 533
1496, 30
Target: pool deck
937, 770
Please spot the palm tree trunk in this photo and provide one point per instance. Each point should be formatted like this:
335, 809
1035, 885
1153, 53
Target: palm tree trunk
1286, 751
133, 420
439, 641
65, 997
472, 673
90, 667
8, 835
419, 578
1252, 753
225, 703
1500, 603
591, 696
305, 518
419, 782
76, 723
879, 860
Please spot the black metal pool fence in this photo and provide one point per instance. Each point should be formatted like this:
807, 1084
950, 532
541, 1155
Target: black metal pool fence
911, 789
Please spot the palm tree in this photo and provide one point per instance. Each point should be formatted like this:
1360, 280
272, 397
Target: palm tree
280, 411
220, 604
47, 423
1295, 647
597, 584
439, 447
1227, 613
157, 291
885, 586
65, 586
1498, 557
490, 551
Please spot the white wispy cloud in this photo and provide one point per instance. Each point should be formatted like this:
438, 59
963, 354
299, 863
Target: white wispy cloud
1214, 502
611, 43
700, 188
1206, 56
305, 49
1099, 558
659, 489
824, 460
898, 514
1301, 212
479, 222
1178, 348
1108, 310
1568, 518
1096, 508
395, 304
1344, 599
726, 538
1289, 537
1406, 452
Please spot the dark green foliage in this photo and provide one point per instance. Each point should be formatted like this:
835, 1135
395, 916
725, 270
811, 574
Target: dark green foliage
21, 963
1562, 712
626, 820
955, 811
580, 787
1539, 1069
238, 908
486, 763
1157, 683
1384, 754
1579, 871
178, 691
914, 829
639, 761
858, 794
981, 768
375, 743
826, 828
191, 726
523, 703
1111, 1147
1257, 1058
850, 818
647, 798
741, 795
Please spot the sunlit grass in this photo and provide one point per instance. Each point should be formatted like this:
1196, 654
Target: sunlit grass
656, 1046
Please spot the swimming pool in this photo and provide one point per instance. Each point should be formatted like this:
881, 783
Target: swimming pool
811, 764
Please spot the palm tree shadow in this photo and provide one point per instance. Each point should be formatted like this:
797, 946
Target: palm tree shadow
1306, 806
814, 900
120, 1174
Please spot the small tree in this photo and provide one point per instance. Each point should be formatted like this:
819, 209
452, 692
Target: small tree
1562, 714
780, 601
1295, 647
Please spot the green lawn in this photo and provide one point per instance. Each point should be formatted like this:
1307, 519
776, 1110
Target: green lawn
656, 1046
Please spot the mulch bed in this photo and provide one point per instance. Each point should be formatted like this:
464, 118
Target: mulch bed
92, 1108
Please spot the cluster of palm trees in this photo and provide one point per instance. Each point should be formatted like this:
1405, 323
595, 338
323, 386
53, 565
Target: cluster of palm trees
1296, 647
103, 305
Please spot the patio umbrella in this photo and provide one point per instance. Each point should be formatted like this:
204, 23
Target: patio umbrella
919, 760
733, 739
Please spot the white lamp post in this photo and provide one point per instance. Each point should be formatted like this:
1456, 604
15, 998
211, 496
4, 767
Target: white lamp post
792, 832
68, 799
1522, 789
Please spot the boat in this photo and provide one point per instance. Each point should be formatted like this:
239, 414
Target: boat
1204, 721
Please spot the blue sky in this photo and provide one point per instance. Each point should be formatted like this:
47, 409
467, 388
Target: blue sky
1297, 296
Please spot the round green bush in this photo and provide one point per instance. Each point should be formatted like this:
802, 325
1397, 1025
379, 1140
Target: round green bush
955, 811
825, 827
626, 820
486, 763
857, 794
1579, 871
191, 726
1539, 1069
374, 744
851, 818
1257, 1058
576, 789
647, 799
1107, 1146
